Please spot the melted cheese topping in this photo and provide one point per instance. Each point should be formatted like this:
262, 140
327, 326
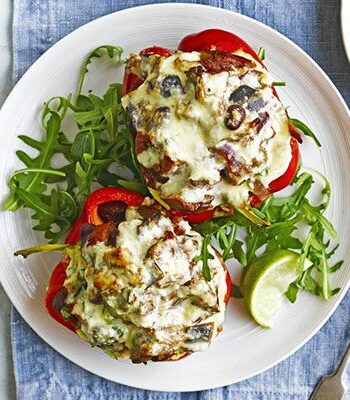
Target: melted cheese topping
146, 297
182, 113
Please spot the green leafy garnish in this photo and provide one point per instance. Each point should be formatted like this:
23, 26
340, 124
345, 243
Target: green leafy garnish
240, 238
261, 53
101, 142
292, 292
305, 129
133, 186
253, 216
205, 256
115, 53
236, 292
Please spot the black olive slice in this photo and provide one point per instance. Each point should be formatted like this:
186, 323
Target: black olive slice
256, 103
170, 84
242, 94
113, 211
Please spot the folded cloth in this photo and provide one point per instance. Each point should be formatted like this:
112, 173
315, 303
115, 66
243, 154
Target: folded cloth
42, 373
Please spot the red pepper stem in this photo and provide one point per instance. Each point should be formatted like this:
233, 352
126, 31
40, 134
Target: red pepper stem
45, 248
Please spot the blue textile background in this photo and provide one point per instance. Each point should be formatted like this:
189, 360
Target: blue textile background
40, 372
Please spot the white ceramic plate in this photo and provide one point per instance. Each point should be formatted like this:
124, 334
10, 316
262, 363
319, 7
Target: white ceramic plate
243, 350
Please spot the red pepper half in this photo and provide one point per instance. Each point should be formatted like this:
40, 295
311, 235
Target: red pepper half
106, 195
57, 279
58, 276
285, 179
227, 42
229, 286
216, 40
130, 82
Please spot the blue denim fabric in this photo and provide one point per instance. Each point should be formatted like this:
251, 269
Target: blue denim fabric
41, 373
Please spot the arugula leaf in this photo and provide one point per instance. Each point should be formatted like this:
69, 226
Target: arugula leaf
55, 213
212, 226
292, 292
254, 240
236, 293
335, 267
285, 214
226, 239
114, 53
27, 179
313, 215
253, 216
279, 209
326, 191
305, 129
137, 187
308, 283
204, 257
238, 253
101, 139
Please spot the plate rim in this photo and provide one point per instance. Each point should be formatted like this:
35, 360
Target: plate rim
193, 6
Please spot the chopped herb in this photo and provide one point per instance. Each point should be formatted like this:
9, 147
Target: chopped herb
65, 314
261, 53
279, 83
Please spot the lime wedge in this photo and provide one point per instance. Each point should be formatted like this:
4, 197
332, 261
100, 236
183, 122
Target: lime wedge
266, 280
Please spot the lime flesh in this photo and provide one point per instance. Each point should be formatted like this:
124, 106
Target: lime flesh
266, 280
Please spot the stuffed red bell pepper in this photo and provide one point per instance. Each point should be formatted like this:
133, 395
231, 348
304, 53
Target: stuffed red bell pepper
123, 254
210, 131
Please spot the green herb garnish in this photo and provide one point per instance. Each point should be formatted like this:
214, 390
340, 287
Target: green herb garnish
261, 53
101, 142
305, 129
236, 292
205, 256
279, 83
114, 53
237, 237
65, 314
